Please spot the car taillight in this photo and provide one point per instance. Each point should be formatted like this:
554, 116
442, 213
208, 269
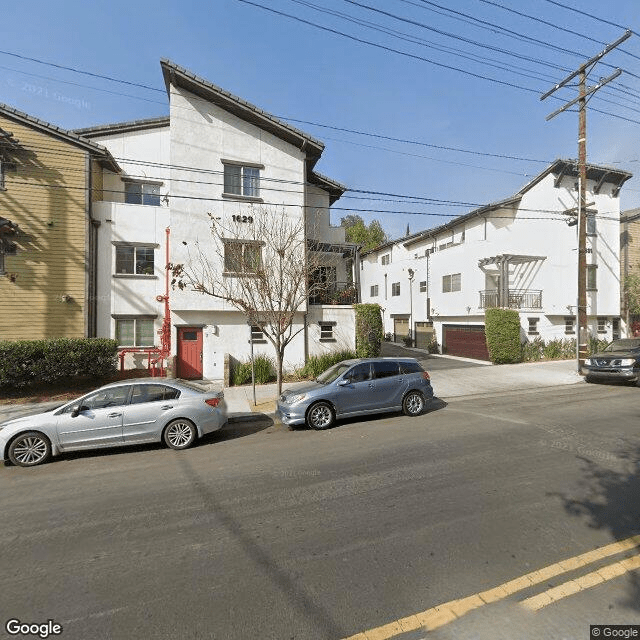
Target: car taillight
425, 375
213, 402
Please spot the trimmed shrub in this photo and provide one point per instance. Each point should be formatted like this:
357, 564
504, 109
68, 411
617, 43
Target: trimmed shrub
317, 364
25, 363
596, 345
432, 346
502, 327
534, 350
369, 330
264, 369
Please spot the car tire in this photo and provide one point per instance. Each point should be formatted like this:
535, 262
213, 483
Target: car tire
413, 404
180, 434
29, 449
320, 416
588, 379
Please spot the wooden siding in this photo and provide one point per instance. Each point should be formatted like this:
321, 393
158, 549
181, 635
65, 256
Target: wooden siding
46, 196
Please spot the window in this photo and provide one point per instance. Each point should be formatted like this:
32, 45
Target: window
241, 180
410, 367
152, 393
569, 325
423, 286
615, 328
359, 373
135, 332
592, 280
385, 369
242, 257
326, 331
533, 326
134, 260
395, 288
257, 335
374, 291
452, 282
591, 224
147, 193
386, 259
602, 325
112, 397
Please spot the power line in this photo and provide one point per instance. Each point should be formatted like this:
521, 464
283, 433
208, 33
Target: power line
584, 13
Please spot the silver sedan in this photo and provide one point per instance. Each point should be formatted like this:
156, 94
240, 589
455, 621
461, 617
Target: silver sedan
121, 413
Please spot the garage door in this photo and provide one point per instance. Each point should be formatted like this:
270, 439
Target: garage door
468, 342
400, 328
424, 334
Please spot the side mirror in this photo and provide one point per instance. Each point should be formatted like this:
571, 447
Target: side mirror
344, 382
78, 410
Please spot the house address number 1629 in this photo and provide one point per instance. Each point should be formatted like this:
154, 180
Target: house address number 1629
237, 218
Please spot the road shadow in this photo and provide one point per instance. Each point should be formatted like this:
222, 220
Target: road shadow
241, 427
610, 499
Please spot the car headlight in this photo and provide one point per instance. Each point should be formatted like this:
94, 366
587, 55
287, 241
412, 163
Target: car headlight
627, 362
588, 362
297, 398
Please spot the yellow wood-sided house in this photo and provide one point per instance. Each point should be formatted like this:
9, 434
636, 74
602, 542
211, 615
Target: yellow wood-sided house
49, 179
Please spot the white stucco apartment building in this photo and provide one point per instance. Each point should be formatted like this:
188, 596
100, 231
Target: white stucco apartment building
214, 157
518, 253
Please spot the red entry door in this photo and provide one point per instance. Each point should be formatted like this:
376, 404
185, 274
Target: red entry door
189, 353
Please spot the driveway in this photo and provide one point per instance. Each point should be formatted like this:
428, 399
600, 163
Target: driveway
429, 361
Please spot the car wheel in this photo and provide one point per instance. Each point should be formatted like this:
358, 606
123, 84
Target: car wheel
180, 434
413, 404
29, 449
588, 379
320, 415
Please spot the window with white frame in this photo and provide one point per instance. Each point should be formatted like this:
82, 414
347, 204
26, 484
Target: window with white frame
592, 277
570, 325
395, 288
451, 282
257, 335
242, 180
602, 325
135, 332
147, 193
326, 331
386, 259
242, 257
423, 286
374, 291
533, 326
134, 259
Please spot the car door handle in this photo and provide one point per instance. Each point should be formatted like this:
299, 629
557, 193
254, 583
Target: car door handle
114, 415
167, 406
372, 385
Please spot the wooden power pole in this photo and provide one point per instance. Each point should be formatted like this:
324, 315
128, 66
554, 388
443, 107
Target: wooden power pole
582, 333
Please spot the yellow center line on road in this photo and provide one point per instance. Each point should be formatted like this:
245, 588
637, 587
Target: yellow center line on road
449, 611
609, 572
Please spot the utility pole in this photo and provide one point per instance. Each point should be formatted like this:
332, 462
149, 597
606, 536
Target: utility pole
582, 333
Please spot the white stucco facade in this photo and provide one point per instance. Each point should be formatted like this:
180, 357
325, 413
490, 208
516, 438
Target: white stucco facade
182, 159
459, 264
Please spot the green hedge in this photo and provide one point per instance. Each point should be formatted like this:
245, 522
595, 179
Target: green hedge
28, 362
502, 328
317, 364
369, 331
264, 369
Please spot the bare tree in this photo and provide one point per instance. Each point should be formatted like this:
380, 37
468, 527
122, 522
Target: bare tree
260, 264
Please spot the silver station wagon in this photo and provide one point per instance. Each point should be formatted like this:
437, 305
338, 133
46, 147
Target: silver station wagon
356, 388
121, 413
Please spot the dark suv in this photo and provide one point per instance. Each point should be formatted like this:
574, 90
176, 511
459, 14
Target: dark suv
618, 361
358, 387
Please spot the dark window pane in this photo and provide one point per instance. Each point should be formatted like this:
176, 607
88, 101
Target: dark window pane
133, 193
232, 179
125, 332
252, 258
151, 194
144, 261
153, 393
385, 369
251, 182
115, 397
360, 373
124, 259
410, 367
144, 332
233, 257
189, 335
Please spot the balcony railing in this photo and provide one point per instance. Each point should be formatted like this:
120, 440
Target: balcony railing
334, 293
515, 299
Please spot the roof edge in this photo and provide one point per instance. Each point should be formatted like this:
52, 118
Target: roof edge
123, 127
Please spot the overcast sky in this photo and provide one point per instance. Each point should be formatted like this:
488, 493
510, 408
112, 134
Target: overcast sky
429, 97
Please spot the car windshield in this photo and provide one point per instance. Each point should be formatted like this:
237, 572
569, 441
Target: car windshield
625, 344
334, 373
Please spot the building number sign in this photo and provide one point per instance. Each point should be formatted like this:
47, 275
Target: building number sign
237, 218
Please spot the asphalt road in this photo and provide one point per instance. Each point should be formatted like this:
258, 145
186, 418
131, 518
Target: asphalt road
263, 533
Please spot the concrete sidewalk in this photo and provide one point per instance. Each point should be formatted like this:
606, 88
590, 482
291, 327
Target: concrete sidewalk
447, 384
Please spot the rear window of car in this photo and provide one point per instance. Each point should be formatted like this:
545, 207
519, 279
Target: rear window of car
153, 393
385, 369
410, 367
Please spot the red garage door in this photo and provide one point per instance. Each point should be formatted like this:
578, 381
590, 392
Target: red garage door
468, 342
